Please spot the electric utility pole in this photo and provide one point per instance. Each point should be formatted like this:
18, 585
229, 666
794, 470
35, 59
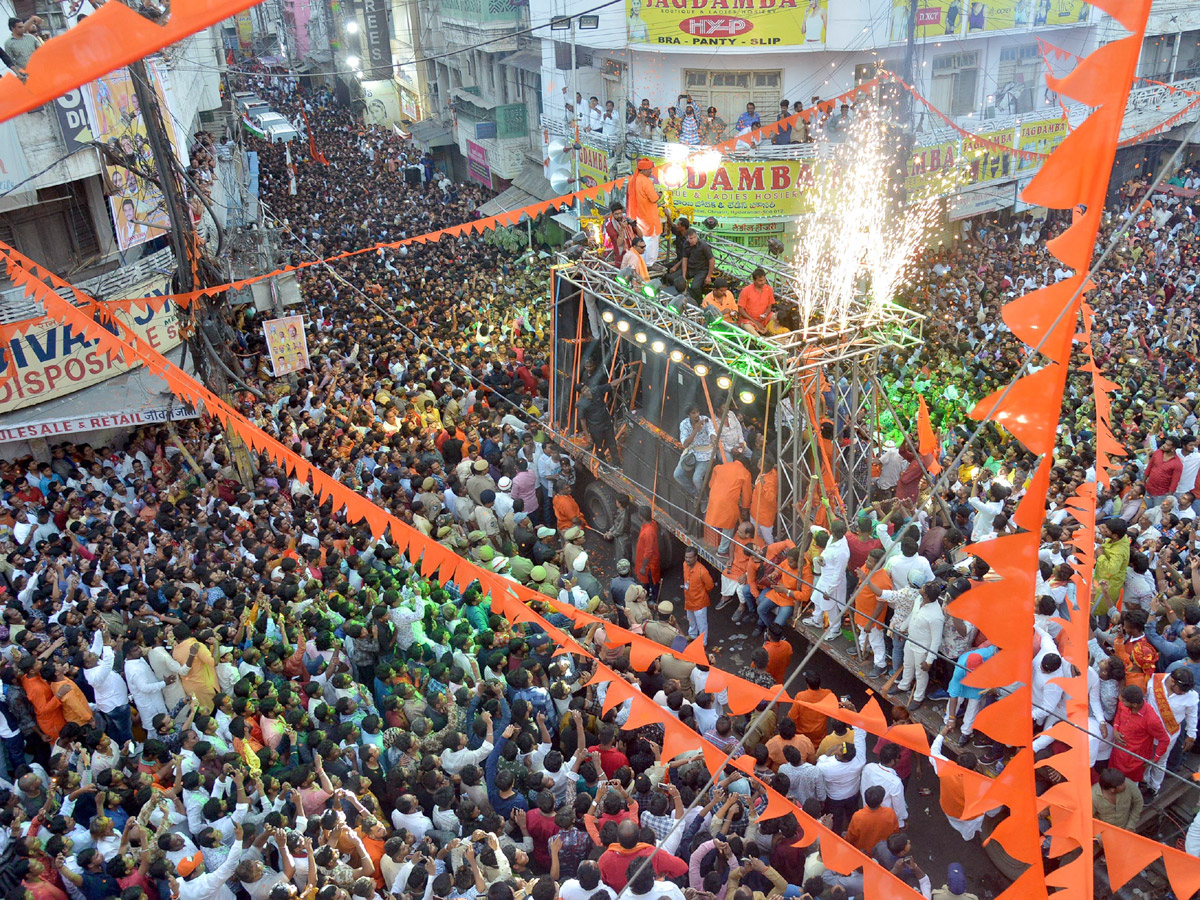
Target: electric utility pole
186, 246
907, 109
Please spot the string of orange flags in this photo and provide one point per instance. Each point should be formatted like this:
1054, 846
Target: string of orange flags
976, 140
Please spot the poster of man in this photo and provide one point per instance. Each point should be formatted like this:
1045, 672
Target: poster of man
138, 211
287, 344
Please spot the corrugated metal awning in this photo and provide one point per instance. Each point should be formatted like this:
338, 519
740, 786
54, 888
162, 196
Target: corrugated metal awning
531, 180
507, 201
431, 133
529, 60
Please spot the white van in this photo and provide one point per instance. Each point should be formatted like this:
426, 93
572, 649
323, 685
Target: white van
244, 100
280, 133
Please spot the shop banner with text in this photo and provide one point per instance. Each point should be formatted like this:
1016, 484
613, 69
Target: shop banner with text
51, 360
57, 428
949, 18
728, 23
1042, 138
734, 189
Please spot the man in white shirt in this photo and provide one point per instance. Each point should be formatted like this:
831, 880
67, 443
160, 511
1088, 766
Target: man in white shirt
924, 628
197, 884
408, 816
145, 687
586, 883
644, 886
986, 510
891, 467
1046, 694
842, 771
456, 756
909, 560
883, 774
1174, 698
112, 695
595, 115
1190, 457
829, 594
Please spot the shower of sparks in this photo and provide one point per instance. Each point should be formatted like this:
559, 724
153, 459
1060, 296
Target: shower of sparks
854, 248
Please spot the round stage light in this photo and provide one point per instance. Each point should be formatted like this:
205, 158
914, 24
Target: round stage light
607, 316
622, 326
702, 370
677, 356
724, 382
640, 337
658, 346
746, 397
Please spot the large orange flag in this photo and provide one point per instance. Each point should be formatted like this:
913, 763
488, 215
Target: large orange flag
927, 442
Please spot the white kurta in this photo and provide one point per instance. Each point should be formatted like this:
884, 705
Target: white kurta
164, 664
146, 689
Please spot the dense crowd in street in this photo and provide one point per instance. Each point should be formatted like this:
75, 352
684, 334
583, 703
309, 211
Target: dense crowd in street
214, 686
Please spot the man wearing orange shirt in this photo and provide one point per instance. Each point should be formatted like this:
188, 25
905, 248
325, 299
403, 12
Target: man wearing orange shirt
756, 305
869, 612
779, 652
788, 736
697, 586
810, 722
643, 208
566, 511
776, 602
729, 490
647, 560
873, 823
764, 500
763, 572
733, 578
719, 303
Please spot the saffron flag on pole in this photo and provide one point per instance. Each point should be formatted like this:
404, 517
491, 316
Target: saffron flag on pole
927, 442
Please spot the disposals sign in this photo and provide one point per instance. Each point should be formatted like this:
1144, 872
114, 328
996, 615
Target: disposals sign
52, 360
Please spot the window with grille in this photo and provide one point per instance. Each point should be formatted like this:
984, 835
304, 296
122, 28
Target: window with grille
1157, 53
1019, 79
953, 86
729, 92
1187, 65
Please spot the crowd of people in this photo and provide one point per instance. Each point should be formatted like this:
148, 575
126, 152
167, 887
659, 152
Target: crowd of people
216, 686
689, 123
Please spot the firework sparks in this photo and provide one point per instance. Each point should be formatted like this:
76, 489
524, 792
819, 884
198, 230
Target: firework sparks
854, 248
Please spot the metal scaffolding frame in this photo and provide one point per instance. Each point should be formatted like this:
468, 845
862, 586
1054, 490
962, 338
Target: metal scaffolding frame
812, 376
849, 404
762, 360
